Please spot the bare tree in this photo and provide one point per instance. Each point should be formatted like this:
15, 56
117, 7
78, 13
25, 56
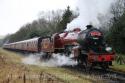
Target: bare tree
117, 9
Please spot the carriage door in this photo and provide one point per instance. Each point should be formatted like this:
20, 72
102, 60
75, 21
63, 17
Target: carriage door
47, 45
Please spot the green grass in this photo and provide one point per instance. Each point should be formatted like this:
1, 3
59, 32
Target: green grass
10, 56
116, 66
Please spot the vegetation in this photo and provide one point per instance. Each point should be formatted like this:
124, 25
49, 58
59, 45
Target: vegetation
116, 33
1, 40
120, 59
117, 67
66, 18
14, 71
47, 24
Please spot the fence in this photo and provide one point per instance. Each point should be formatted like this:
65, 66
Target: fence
31, 78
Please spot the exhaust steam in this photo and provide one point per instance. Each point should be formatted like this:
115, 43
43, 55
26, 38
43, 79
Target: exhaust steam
89, 11
56, 60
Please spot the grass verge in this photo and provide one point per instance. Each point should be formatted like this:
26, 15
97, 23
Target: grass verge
13, 70
117, 67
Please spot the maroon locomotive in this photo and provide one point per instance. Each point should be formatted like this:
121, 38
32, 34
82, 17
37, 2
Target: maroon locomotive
87, 46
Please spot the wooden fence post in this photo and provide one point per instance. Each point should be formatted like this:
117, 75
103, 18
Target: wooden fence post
24, 78
41, 74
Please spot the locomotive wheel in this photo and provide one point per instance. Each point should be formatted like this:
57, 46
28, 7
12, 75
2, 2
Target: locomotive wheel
45, 56
67, 51
80, 60
89, 66
104, 66
83, 61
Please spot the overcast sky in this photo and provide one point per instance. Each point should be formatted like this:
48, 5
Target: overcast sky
16, 13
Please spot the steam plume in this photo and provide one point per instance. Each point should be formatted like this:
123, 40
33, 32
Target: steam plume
89, 10
56, 60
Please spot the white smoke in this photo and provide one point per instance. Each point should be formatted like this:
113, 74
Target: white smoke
89, 11
56, 60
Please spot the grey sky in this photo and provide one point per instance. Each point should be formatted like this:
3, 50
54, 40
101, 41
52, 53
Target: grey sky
16, 13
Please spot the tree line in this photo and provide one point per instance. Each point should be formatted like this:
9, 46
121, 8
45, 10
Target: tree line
116, 33
48, 23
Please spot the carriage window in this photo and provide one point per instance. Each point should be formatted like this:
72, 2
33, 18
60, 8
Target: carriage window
34, 44
27, 44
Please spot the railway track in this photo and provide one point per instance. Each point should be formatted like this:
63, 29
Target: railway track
99, 75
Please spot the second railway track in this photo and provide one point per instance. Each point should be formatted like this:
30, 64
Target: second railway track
98, 75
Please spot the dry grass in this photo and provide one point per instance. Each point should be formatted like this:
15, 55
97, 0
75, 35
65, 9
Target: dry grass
14, 71
117, 67
66, 75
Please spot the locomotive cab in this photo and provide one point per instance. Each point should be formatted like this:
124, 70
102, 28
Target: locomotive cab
58, 43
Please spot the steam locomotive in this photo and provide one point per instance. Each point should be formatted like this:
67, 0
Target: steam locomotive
92, 50
87, 46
